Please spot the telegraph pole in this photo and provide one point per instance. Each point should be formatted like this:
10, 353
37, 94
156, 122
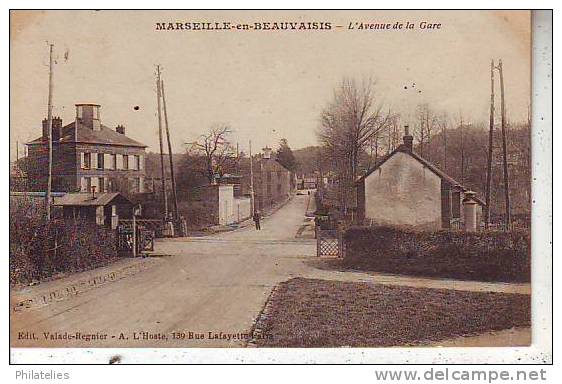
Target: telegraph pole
50, 135
462, 150
158, 94
252, 202
490, 149
504, 147
174, 194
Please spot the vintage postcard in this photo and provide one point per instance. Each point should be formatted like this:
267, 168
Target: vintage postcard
272, 179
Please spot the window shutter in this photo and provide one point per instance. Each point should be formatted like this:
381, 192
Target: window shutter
94, 160
83, 184
119, 164
106, 161
141, 162
141, 184
82, 160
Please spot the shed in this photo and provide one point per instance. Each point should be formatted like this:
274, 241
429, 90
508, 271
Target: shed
102, 208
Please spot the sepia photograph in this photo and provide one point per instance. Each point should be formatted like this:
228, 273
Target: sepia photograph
246, 179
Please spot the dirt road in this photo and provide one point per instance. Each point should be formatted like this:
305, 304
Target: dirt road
206, 293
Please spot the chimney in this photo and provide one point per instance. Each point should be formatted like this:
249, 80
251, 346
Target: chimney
266, 152
45, 129
120, 129
89, 115
57, 128
408, 139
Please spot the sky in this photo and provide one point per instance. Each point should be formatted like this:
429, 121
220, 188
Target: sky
266, 85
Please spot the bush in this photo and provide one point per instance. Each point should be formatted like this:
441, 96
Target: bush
39, 250
484, 256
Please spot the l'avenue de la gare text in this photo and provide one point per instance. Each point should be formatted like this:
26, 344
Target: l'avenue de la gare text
295, 26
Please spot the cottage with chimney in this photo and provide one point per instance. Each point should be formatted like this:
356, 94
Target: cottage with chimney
406, 189
87, 154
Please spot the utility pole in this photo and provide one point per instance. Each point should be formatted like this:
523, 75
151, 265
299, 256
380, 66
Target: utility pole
158, 94
462, 150
252, 201
504, 147
445, 142
174, 193
50, 135
490, 150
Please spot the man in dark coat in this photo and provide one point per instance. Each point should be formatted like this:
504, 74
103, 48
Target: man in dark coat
257, 220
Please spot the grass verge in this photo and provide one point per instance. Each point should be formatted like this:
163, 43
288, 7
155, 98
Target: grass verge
324, 313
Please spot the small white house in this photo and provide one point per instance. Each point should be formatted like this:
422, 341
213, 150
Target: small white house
222, 206
405, 189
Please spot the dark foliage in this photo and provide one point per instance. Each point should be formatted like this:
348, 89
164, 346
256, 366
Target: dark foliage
39, 250
484, 256
286, 157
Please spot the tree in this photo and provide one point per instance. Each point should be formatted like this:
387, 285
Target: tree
442, 122
286, 157
215, 150
347, 125
423, 130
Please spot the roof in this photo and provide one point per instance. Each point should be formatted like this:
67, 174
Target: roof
87, 135
273, 162
85, 199
432, 167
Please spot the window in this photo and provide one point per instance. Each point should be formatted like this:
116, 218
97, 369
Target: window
86, 184
87, 160
113, 161
135, 185
125, 161
101, 182
136, 162
100, 161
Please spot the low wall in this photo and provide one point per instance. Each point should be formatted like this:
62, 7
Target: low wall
242, 208
484, 256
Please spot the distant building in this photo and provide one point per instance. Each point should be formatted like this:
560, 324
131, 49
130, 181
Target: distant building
405, 189
87, 154
272, 181
307, 182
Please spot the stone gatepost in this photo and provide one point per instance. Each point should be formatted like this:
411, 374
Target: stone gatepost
469, 208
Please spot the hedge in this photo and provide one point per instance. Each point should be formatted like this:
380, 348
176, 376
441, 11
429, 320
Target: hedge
483, 256
39, 250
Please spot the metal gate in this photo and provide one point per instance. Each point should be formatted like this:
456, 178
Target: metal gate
133, 238
329, 243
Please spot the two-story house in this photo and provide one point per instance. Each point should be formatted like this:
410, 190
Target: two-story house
87, 154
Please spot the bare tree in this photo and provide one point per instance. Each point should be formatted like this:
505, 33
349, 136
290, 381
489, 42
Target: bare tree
216, 151
351, 121
442, 122
425, 127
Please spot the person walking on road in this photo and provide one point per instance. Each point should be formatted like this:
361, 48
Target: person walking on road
257, 220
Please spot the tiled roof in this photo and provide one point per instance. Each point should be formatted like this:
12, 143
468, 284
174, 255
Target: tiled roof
432, 167
87, 135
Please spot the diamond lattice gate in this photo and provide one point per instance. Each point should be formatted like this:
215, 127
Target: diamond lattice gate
329, 243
